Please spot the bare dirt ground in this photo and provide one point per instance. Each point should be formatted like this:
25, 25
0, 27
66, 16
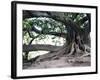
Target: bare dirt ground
59, 63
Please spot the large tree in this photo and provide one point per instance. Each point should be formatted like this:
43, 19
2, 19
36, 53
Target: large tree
73, 27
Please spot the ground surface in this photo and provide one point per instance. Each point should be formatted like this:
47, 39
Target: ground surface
59, 62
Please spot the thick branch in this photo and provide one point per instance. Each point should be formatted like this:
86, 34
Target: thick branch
35, 47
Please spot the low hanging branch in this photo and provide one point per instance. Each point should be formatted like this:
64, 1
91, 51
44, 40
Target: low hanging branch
35, 47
